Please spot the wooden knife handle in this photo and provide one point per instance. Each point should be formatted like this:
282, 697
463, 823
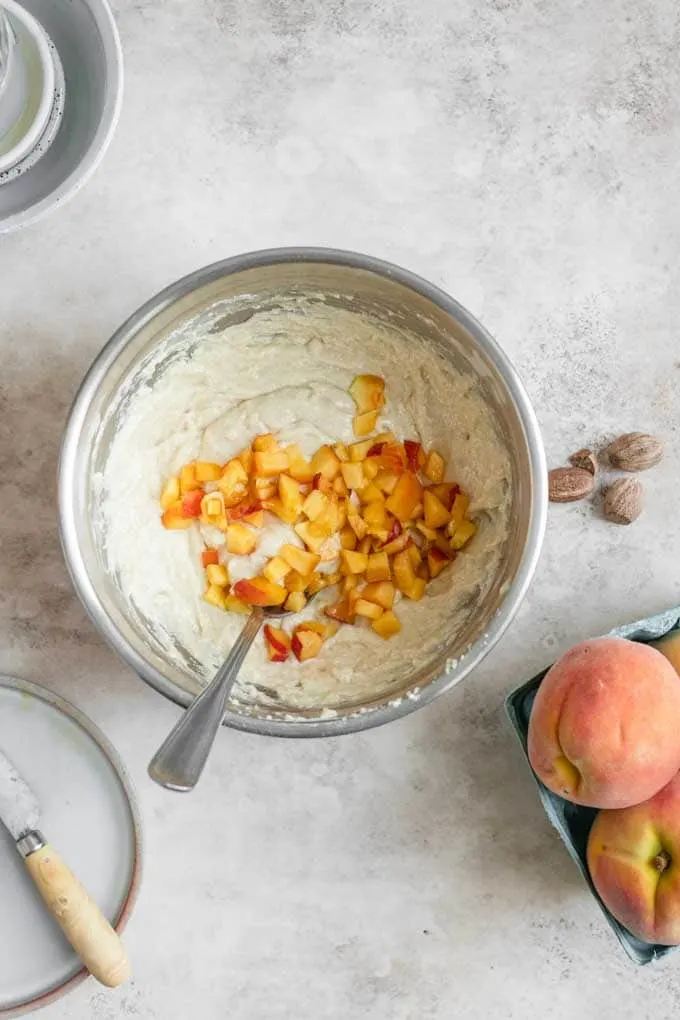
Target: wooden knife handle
82, 922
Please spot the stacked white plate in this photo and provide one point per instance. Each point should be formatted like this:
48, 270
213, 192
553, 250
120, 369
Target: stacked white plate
60, 93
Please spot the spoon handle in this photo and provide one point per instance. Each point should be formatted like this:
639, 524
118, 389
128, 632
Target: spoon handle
180, 759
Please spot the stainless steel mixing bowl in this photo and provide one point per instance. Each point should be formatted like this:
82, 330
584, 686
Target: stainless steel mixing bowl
239, 286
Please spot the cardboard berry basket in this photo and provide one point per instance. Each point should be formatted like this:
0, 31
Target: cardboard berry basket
572, 821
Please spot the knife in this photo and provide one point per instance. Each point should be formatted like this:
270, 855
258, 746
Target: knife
82, 922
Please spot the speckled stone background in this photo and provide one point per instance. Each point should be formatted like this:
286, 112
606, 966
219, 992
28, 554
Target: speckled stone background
524, 155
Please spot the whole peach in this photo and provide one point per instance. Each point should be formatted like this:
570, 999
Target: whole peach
605, 726
634, 862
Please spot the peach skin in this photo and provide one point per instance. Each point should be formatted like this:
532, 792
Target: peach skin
605, 726
634, 862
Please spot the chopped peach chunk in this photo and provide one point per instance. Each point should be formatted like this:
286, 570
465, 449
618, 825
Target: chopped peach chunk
232, 604
371, 494
289, 494
458, 511
414, 554
357, 523
353, 562
258, 591
312, 534
306, 644
265, 443
295, 602
171, 492
244, 510
321, 581
299, 467
276, 507
187, 478
391, 458
263, 488
434, 467
296, 582
255, 517
315, 504
404, 571
326, 462
348, 539
370, 468
405, 498
350, 582
368, 392
246, 458
325, 630
380, 592
299, 559
446, 492
386, 481
340, 611
215, 595
429, 533
278, 643
191, 503
206, 471
241, 541
210, 556
358, 451
353, 475
267, 463
386, 625
371, 610
436, 561
364, 424
463, 533
233, 483
339, 486
365, 545
436, 514
340, 451
276, 569
377, 519
217, 574
415, 455
173, 517
378, 567
417, 589
397, 544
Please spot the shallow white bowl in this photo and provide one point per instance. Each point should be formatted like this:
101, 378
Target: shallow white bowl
86, 40
28, 95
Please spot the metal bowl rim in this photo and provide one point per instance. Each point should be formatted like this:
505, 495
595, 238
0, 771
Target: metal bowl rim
364, 718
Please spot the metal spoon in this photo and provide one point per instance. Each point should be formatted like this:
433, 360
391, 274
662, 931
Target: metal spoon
180, 760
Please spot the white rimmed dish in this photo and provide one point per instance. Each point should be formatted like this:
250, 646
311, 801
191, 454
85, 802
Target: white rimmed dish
28, 86
88, 808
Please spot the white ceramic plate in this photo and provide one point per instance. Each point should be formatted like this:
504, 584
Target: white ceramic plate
88, 813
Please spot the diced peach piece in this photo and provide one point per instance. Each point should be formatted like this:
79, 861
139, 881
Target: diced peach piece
359, 451
364, 424
458, 511
370, 468
357, 523
378, 567
386, 481
233, 483
463, 533
215, 595
377, 520
397, 544
299, 467
276, 507
330, 518
392, 458
370, 610
404, 571
325, 461
312, 534
445, 492
191, 503
387, 625
314, 504
299, 559
278, 643
429, 533
365, 546
322, 483
415, 455
340, 611
173, 517
436, 514
171, 492
289, 494
217, 574
212, 505
350, 582
263, 488
353, 475
436, 561
296, 582
209, 556
187, 478
380, 592
321, 581
371, 494
339, 486
414, 554
353, 562
267, 463
368, 392
276, 569
434, 467
265, 443
258, 591
423, 571
418, 512
340, 451
241, 541
246, 458
207, 471
417, 589
348, 538
325, 630
306, 644
232, 604
295, 602
255, 517
407, 494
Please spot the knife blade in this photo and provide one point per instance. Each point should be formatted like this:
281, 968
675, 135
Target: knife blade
92, 937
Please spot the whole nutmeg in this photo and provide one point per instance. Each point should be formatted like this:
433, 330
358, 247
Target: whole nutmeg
585, 459
635, 451
623, 501
566, 485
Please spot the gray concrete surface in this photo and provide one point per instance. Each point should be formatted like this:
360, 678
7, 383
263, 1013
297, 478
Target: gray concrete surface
524, 156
